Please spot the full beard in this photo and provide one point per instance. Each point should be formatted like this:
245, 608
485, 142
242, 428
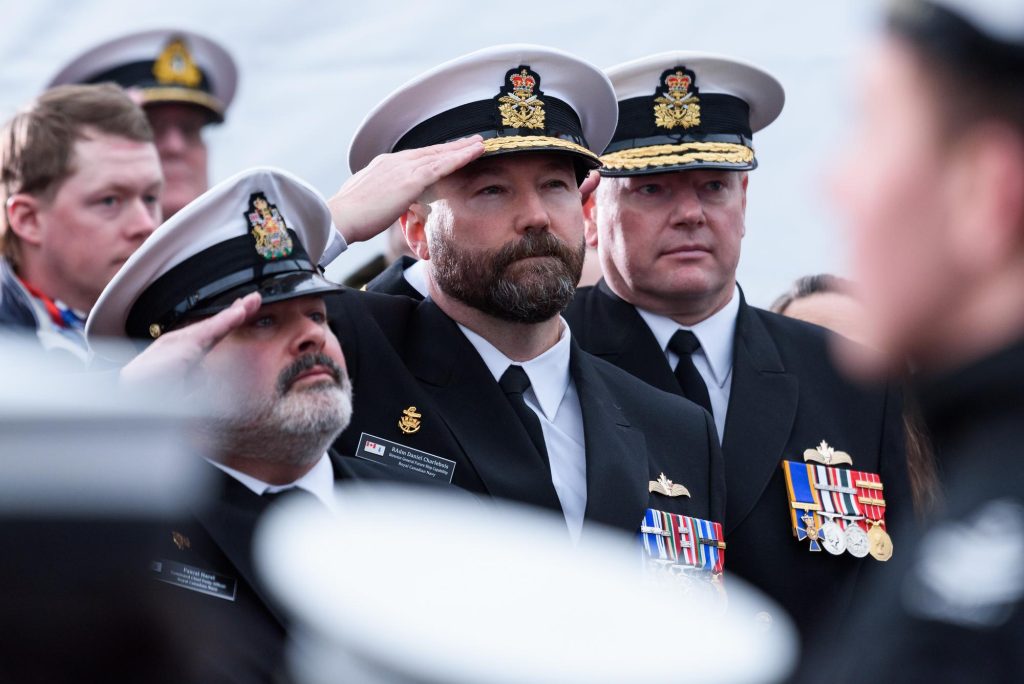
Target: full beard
295, 427
500, 283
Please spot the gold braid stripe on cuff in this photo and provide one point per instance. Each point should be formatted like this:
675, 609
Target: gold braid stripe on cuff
154, 95
515, 142
670, 155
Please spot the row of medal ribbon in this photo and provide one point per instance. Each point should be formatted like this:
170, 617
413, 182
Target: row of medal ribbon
683, 541
838, 510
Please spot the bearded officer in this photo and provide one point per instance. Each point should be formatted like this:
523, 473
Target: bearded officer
229, 289
482, 383
667, 219
184, 81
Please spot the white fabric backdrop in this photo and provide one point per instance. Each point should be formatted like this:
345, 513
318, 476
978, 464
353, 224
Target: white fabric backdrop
310, 72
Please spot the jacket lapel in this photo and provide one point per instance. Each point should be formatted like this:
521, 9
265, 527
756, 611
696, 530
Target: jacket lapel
762, 408
230, 521
618, 334
616, 453
475, 410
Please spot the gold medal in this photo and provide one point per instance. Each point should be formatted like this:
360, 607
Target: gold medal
880, 544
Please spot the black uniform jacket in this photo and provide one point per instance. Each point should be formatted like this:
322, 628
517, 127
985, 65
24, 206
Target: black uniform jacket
392, 279
951, 607
404, 353
786, 397
245, 631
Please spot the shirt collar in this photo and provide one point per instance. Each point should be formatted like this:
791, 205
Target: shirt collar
716, 333
548, 373
319, 481
416, 276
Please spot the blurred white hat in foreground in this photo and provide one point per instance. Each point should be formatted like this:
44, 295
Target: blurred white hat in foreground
414, 586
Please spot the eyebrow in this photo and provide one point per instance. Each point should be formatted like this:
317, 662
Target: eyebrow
126, 187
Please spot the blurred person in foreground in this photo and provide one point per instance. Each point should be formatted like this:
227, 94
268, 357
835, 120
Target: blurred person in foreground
184, 82
933, 189
229, 290
81, 185
832, 302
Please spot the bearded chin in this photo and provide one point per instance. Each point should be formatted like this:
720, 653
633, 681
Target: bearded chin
294, 429
502, 284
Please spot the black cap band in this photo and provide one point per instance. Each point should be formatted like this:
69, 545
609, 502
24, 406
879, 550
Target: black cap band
481, 118
140, 75
174, 296
724, 118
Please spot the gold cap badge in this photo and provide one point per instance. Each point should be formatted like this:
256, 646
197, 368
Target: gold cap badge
826, 455
519, 101
675, 101
175, 66
268, 228
665, 486
410, 421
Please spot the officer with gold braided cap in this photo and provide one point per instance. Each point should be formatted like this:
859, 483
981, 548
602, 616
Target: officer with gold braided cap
667, 220
183, 80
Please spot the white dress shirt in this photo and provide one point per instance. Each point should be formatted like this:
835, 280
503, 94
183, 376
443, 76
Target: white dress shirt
319, 481
713, 360
552, 396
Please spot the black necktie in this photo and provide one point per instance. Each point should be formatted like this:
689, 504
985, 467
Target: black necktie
514, 382
684, 343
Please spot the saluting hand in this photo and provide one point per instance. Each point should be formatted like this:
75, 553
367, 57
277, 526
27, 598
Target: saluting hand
173, 357
375, 197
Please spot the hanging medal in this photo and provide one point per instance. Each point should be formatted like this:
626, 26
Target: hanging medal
804, 502
857, 544
832, 537
872, 503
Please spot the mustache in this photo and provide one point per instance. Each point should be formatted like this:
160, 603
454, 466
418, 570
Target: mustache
539, 244
303, 364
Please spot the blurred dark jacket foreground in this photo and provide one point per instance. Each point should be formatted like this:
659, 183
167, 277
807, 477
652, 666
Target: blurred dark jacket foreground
949, 608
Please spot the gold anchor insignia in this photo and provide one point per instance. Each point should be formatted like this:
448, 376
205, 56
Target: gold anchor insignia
175, 66
410, 421
826, 455
665, 486
181, 541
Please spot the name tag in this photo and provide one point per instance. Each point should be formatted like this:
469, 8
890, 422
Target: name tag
195, 579
395, 455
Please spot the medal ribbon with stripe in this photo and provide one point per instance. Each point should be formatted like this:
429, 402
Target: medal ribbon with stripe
804, 501
870, 497
825, 484
848, 498
683, 540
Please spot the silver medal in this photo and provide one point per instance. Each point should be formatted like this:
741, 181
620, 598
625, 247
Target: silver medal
832, 538
856, 540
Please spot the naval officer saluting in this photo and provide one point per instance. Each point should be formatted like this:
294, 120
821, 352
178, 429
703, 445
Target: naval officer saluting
482, 382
